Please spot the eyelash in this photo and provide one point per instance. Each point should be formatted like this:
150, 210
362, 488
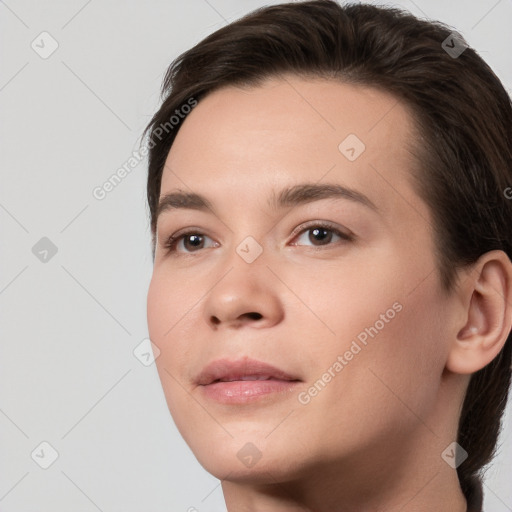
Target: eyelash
173, 240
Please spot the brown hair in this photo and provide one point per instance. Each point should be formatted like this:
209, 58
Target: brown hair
463, 146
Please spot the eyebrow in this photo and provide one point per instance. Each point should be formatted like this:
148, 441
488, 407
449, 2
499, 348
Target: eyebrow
292, 196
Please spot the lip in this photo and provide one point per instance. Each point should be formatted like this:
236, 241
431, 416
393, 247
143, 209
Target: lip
226, 381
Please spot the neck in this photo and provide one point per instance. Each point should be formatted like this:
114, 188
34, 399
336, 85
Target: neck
439, 491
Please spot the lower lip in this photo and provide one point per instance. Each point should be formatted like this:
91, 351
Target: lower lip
245, 391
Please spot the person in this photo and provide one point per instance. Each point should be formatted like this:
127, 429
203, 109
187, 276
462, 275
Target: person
331, 293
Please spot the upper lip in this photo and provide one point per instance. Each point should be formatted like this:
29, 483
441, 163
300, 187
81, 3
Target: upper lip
225, 369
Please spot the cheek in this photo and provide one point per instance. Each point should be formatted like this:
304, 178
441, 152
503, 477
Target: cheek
169, 309
388, 328
165, 315
341, 304
401, 364
384, 388
154, 306
160, 311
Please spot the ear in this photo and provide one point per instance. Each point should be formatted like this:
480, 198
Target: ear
486, 294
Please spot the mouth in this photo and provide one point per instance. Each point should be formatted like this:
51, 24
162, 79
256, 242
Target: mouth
246, 378
244, 381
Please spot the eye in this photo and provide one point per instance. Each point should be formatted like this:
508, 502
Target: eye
321, 233
191, 239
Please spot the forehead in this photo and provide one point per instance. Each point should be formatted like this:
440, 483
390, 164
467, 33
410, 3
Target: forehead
244, 143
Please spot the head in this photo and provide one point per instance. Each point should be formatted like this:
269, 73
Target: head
413, 292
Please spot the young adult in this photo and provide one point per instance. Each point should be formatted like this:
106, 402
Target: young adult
332, 284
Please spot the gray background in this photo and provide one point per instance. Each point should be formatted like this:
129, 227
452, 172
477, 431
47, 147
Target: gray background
68, 374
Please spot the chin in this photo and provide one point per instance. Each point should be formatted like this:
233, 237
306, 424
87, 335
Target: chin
240, 460
263, 472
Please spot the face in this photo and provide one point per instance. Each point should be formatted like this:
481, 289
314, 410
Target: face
334, 287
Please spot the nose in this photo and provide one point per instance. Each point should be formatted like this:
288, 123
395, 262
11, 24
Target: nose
247, 295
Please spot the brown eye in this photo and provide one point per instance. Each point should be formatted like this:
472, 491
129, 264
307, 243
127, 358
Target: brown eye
322, 234
195, 241
191, 242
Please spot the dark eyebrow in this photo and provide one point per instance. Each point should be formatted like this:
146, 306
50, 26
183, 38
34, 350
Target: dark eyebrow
309, 192
180, 199
291, 196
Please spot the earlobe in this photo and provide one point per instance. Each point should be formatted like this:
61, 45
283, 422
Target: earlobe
488, 314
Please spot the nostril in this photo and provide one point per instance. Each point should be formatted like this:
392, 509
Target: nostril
252, 315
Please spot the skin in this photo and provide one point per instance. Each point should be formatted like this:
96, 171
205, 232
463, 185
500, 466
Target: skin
372, 439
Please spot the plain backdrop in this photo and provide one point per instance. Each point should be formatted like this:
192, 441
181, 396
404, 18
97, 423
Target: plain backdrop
74, 269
